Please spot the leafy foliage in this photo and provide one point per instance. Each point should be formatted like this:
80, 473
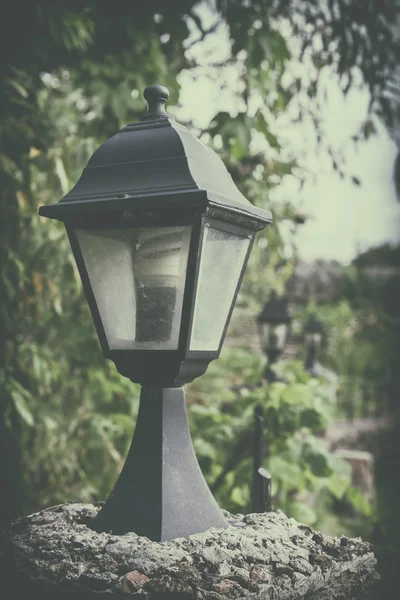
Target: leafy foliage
65, 414
221, 407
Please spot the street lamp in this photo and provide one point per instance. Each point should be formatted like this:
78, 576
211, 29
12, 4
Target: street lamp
313, 333
161, 236
273, 325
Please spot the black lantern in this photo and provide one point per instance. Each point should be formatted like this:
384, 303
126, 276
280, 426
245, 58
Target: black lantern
273, 325
161, 236
313, 334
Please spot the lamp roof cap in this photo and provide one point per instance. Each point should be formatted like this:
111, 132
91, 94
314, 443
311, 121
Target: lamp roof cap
153, 163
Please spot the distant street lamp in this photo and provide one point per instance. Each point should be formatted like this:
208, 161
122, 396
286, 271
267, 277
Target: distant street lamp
161, 236
313, 334
273, 325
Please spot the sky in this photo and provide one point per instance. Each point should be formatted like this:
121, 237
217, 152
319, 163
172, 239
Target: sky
344, 218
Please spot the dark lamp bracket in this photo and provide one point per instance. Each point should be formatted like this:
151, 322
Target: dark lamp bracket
161, 492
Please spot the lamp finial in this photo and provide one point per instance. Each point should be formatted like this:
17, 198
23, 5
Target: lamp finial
156, 96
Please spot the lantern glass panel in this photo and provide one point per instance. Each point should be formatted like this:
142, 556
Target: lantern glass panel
222, 259
274, 336
138, 280
313, 339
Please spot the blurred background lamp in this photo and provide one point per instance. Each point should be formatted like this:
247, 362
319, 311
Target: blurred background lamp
313, 334
161, 236
273, 326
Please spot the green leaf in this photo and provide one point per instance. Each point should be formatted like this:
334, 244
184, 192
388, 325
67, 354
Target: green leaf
204, 449
240, 496
302, 513
62, 175
312, 419
288, 472
359, 501
317, 457
22, 408
18, 87
338, 485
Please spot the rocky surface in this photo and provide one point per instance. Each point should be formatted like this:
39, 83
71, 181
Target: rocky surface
53, 554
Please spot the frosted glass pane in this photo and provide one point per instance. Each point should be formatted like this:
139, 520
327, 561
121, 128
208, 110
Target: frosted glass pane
222, 258
109, 262
138, 279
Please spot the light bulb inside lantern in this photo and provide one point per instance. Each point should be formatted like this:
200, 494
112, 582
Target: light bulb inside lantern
158, 256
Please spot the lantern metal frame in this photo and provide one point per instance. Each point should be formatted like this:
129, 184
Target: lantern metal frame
154, 367
154, 173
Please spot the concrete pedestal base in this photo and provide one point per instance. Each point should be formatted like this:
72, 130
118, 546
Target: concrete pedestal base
54, 555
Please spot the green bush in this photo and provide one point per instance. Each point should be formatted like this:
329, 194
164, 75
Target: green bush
297, 412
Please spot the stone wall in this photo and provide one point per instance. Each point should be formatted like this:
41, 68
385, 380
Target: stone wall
54, 555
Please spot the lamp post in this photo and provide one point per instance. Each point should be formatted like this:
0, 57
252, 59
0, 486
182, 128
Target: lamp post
161, 236
273, 325
313, 333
